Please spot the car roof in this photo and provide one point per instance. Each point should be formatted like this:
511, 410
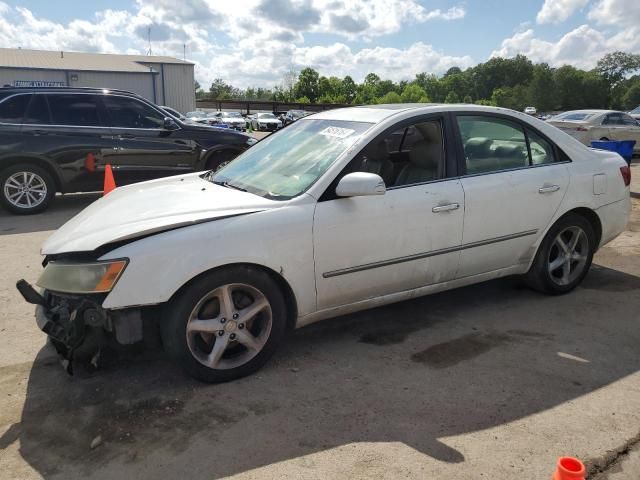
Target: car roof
378, 113
592, 111
12, 90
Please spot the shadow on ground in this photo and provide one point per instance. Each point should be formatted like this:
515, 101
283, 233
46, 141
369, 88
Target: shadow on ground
62, 209
413, 372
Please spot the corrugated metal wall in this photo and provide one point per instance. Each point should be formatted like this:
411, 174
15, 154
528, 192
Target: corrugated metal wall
173, 82
175, 86
140, 83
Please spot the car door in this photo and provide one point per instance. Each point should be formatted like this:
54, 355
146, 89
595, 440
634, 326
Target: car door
146, 149
70, 129
514, 180
367, 247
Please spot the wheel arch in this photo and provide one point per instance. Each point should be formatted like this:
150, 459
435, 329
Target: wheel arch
592, 217
40, 162
287, 292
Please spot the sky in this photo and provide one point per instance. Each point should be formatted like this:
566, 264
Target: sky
254, 43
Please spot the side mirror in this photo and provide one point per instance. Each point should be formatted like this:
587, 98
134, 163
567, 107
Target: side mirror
170, 124
360, 184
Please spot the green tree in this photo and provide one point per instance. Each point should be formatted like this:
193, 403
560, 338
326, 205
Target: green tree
349, 89
220, 90
303, 100
307, 85
467, 99
542, 89
413, 93
614, 67
452, 97
432, 86
515, 97
390, 97
631, 98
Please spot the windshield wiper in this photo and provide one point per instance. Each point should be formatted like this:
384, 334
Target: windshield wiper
229, 185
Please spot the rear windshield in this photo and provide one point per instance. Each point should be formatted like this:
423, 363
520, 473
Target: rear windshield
574, 116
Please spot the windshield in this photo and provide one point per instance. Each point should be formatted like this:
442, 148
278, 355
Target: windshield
232, 114
635, 110
195, 114
266, 115
288, 162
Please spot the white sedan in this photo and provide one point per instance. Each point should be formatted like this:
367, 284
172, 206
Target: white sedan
341, 211
265, 121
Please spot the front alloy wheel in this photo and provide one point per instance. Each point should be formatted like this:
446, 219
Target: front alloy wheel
26, 189
226, 324
229, 326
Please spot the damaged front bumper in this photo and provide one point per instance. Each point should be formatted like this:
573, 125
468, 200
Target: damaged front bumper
79, 327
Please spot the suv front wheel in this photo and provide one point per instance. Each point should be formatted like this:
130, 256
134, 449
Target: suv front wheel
26, 189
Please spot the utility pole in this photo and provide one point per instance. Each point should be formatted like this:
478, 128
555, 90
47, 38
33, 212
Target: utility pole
149, 39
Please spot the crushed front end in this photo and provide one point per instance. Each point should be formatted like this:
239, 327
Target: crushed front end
69, 310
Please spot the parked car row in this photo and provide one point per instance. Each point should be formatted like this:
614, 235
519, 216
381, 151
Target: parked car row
589, 125
60, 139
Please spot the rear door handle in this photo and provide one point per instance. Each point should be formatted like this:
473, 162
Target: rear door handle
126, 135
445, 208
549, 189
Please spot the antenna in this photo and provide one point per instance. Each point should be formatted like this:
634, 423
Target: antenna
149, 39
184, 51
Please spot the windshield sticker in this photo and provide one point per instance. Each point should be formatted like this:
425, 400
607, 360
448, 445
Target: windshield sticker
337, 132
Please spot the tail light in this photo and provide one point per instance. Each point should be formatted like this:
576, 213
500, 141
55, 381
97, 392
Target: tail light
626, 175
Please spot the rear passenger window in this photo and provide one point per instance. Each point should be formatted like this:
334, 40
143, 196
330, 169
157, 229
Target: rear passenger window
492, 144
38, 111
541, 150
12, 109
78, 110
130, 113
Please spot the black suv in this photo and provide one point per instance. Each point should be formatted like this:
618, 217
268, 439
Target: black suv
60, 139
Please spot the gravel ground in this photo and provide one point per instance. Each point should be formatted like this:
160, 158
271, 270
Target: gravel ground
490, 381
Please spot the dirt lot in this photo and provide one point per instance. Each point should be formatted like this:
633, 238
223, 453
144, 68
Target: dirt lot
491, 381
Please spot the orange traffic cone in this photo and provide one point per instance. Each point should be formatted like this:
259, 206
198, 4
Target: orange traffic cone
569, 468
109, 182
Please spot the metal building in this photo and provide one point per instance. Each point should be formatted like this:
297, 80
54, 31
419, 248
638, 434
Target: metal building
162, 80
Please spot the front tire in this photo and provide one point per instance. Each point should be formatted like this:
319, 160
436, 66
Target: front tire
564, 256
220, 160
226, 324
26, 189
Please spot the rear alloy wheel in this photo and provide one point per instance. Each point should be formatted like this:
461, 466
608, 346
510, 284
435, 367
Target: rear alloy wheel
564, 257
226, 325
26, 189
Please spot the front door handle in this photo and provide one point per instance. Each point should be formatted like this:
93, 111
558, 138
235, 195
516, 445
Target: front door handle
445, 208
124, 136
549, 189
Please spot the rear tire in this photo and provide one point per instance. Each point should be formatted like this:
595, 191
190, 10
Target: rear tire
219, 160
226, 324
26, 189
564, 256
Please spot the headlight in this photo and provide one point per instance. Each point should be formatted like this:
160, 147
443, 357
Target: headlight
252, 141
98, 277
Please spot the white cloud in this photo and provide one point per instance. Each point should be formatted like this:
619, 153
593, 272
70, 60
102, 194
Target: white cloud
247, 42
557, 11
616, 12
581, 47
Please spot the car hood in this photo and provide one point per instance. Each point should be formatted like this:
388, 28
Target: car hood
150, 207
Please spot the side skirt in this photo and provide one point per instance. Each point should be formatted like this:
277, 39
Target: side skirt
408, 294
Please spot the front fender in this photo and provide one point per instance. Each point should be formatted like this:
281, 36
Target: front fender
279, 239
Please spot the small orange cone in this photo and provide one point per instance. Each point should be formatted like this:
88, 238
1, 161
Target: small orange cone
569, 468
109, 182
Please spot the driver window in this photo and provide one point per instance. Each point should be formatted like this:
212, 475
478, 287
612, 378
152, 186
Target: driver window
410, 155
